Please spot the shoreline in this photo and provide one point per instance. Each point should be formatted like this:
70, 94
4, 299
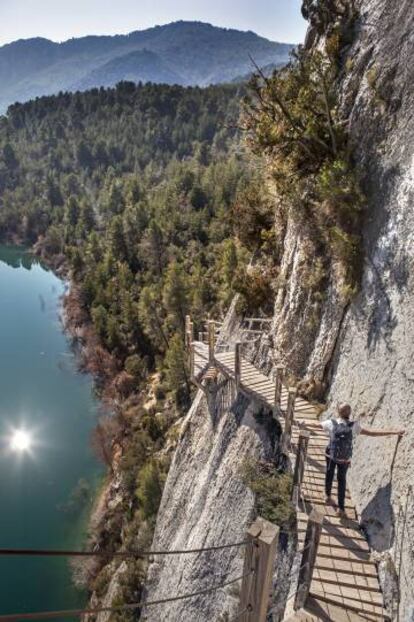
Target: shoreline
131, 409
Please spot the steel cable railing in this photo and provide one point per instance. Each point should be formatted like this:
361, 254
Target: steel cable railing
133, 553
50, 615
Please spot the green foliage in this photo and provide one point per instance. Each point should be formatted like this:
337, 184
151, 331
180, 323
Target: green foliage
293, 119
135, 366
272, 492
253, 214
149, 490
134, 186
256, 289
134, 457
176, 366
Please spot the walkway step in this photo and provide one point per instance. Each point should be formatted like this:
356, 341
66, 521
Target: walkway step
319, 499
340, 541
346, 579
327, 593
336, 532
330, 612
333, 521
329, 511
318, 490
342, 554
366, 569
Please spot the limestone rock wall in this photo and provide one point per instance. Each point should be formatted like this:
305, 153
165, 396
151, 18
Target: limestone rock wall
374, 364
364, 352
205, 503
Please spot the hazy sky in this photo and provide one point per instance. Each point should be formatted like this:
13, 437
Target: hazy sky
59, 20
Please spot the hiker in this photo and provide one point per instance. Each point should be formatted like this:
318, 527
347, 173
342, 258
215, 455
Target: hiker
342, 432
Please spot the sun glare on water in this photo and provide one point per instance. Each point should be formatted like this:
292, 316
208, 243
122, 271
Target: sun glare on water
20, 441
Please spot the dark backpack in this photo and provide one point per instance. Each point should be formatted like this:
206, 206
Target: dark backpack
340, 448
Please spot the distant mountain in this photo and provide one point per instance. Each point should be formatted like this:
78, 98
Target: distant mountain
186, 53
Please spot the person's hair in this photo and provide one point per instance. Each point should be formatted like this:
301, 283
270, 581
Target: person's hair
344, 411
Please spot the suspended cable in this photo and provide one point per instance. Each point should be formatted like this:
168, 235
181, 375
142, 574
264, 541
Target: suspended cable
49, 615
69, 553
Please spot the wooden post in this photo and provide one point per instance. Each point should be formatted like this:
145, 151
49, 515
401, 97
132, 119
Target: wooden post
299, 471
187, 330
191, 331
313, 536
290, 411
237, 364
280, 370
259, 564
192, 361
211, 341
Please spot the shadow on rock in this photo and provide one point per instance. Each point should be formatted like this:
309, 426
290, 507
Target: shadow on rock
377, 520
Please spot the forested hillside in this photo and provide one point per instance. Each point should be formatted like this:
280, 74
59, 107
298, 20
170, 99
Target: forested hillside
128, 191
185, 53
132, 188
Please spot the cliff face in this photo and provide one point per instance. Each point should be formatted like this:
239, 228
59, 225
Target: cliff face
365, 351
373, 367
205, 503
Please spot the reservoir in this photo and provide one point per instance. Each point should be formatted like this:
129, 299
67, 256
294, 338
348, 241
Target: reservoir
48, 473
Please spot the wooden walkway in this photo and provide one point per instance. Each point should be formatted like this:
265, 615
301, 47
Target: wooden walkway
345, 586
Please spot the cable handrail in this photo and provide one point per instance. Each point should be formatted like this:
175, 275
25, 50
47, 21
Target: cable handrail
49, 615
71, 553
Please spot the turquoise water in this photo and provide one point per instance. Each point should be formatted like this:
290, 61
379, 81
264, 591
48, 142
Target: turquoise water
42, 503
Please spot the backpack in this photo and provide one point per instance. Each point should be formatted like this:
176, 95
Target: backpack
340, 448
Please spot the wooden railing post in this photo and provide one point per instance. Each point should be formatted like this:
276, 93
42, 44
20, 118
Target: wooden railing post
187, 330
300, 461
290, 411
259, 564
211, 341
192, 361
237, 364
280, 370
312, 538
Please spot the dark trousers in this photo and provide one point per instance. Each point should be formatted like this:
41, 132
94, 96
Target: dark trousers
331, 465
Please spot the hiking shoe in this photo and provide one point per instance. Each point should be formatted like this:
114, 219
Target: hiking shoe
329, 501
341, 514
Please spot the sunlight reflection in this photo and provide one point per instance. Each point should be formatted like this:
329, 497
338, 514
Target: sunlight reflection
20, 441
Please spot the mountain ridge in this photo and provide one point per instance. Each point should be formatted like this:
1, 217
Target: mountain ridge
183, 52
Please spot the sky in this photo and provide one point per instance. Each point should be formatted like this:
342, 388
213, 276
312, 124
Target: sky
279, 20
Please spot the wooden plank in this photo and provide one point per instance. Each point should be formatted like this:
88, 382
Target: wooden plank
343, 554
340, 541
327, 612
343, 578
343, 532
358, 600
365, 569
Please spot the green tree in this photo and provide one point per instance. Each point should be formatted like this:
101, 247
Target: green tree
9, 157
149, 490
175, 296
176, 366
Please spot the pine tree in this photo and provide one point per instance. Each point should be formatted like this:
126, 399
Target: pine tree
176, 366
175, 296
